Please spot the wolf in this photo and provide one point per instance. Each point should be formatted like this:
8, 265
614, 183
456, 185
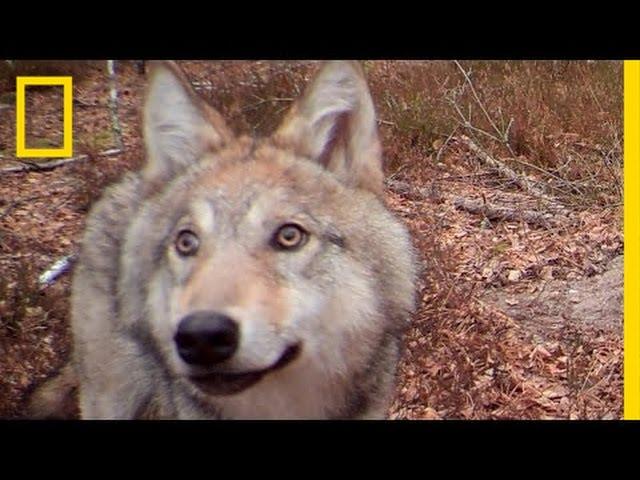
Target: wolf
235, 277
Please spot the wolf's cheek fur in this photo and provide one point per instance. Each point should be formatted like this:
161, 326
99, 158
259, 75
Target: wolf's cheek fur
163, 318
335, 313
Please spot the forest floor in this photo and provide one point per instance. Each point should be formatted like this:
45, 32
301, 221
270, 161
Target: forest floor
520, 240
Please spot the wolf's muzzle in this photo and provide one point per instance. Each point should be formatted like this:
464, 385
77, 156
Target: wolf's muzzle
218, 383
206, 338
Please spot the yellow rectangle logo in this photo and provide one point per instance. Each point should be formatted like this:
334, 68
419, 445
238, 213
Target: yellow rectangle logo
67, 145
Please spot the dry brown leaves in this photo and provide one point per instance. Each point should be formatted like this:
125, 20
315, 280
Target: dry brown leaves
466, 358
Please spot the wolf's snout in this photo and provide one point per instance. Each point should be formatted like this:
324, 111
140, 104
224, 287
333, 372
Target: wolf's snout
206, 338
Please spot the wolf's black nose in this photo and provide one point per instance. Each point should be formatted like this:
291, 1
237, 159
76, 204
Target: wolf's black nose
206, 338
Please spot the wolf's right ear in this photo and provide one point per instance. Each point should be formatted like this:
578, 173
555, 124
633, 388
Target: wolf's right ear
179, 127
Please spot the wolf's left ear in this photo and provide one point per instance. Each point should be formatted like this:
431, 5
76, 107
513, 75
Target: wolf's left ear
334, 123
179, 127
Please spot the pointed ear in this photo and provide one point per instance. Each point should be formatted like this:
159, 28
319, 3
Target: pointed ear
334, 123
179, 127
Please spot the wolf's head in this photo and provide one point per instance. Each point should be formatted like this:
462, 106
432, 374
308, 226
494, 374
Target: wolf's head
261, 258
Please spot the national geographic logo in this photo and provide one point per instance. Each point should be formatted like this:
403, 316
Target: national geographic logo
67, 144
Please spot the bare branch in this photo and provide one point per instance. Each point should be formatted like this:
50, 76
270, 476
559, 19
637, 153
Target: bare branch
50, 165
113, 105
503, 135
521, 180
544, 220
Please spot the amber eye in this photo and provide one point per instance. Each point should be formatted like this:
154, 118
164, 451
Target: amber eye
290, 236
187, 243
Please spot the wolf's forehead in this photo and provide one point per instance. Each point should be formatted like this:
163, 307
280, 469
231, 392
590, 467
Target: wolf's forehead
248, 203
278, 174
265, 182
241, 196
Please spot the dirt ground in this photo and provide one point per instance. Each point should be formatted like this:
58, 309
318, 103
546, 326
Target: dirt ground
517, 319
593, 301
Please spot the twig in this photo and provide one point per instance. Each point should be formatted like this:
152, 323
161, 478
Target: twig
453, 178
521, 180
392, 177
82, 103
113, 105
205, 85
504, 137
466, 123
442, 147
50, 165
57, 269
262, 101
546, 172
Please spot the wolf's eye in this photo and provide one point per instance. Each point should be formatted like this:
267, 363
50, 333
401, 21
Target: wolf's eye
289, 237
187, 243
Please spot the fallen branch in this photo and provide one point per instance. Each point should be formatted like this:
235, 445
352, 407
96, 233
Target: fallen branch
28, 166
545, 220
491, 212
520, 180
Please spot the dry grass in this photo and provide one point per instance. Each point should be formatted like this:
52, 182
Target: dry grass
559, 122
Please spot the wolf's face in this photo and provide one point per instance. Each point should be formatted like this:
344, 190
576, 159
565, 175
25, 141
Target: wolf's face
265, 256
258, 268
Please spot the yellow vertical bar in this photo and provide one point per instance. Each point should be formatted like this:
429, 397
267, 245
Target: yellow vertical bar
20, 115
631, 239
68, 117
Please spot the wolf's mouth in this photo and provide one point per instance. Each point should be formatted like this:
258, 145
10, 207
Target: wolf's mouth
219, 383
